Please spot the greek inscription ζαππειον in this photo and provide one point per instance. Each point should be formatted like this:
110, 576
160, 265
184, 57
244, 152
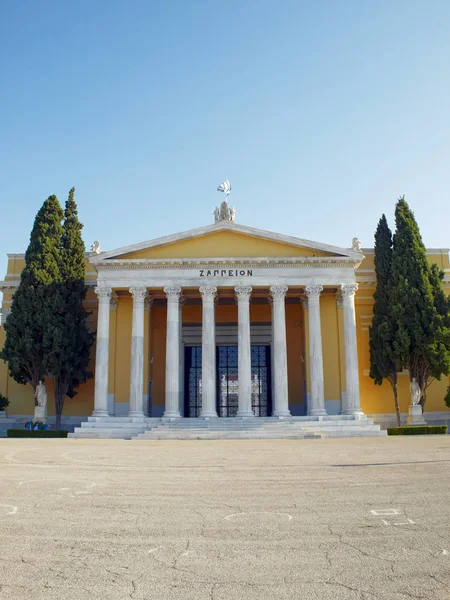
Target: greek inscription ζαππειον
226, 272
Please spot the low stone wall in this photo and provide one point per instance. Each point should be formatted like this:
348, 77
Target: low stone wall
390, 420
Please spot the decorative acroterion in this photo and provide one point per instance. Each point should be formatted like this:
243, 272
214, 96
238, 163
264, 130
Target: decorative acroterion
225, 187
95, 247
356, 245
224, 213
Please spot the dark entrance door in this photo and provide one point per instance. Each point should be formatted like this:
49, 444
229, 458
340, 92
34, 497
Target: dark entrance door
192, 381
228, 381
261, 381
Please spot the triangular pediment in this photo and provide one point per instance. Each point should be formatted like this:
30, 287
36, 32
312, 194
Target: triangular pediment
224, 240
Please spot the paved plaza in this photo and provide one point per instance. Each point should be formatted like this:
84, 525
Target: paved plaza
220, 520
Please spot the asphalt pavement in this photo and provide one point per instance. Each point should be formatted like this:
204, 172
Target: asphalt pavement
323, 519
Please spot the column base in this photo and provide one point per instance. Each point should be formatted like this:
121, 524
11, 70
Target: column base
100, 413
317, 412
208, 414
172, 414
136, 413
357, 412
245, 413
281, 413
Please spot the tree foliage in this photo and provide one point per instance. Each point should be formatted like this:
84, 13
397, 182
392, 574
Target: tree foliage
383, 358
69, 340
46, 332
418, 305
32, 304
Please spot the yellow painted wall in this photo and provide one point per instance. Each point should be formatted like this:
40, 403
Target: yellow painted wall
224, 244
21, 396
379, 399
124, 313
159, 317
295, 336
330, 347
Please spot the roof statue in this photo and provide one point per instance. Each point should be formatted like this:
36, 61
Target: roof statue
356, 245
95, 247
224, 213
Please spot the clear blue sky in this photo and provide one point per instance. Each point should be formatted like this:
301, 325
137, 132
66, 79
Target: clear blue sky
320, 113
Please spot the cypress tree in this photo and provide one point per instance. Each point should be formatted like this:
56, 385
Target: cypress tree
69, 340
435, 360
420, 310
31, 309
383, 363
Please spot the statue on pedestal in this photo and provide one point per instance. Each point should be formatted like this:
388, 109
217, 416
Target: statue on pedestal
414, 389
40, 402
415, 410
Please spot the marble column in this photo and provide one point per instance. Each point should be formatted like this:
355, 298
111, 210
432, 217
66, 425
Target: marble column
137, 353
279, 372
148, 303
102, 353
181, 368
208, 352
317, 398
172, 410
272, 383
351, 404
243, 294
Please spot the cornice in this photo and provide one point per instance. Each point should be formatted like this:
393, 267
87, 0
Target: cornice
196, 263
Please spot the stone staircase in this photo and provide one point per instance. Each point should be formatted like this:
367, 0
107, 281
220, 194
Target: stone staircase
250, 428
121, 428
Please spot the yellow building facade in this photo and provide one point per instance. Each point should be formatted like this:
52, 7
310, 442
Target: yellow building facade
227, 320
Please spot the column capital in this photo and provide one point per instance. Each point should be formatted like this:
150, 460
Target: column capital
208, 292
139, 293
103, 293
313, 291
243, 292
173, 293
348, 290
278, 291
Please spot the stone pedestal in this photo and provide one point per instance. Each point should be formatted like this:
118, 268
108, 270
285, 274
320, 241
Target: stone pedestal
415, 416
40, 414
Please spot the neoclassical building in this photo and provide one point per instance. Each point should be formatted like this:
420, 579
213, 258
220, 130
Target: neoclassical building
228, 321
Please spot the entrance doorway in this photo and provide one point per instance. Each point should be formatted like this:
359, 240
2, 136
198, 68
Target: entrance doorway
227, 398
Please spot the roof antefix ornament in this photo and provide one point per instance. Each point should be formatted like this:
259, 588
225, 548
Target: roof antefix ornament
224, 213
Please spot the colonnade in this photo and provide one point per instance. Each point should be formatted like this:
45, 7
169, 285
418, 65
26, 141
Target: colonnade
316, 403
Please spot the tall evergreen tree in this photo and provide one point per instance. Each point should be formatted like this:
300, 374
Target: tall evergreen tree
421, 338
435, 360
31, 309
69, 340
383, 360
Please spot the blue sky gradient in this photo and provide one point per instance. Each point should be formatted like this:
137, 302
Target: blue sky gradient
320, 113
